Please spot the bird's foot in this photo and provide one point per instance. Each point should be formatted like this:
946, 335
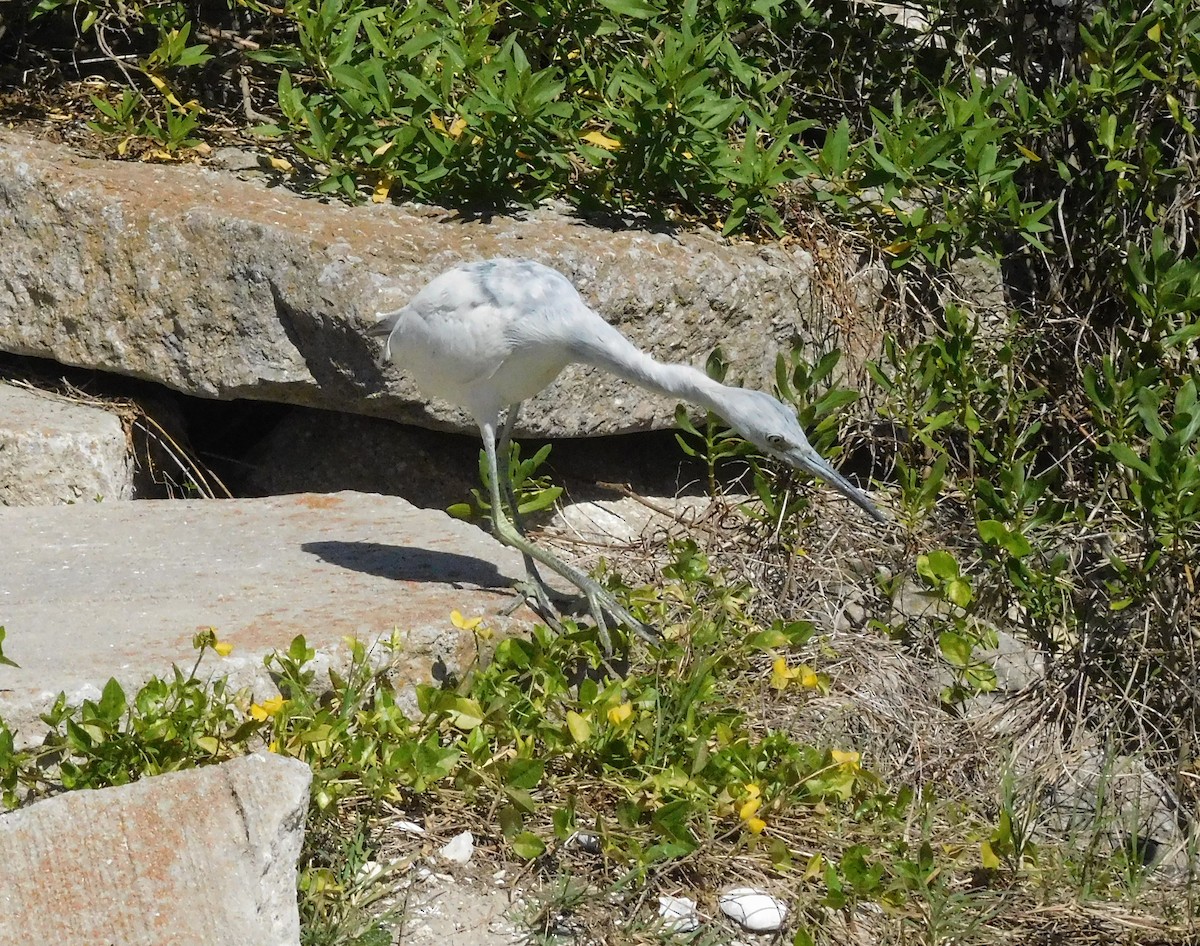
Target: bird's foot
534, 593
603, 606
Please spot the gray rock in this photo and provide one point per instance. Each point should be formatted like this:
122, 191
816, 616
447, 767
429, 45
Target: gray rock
620, 521
1103, 804
323, 451
101, 590
1018, 664
227, 288
54, 450
205, 857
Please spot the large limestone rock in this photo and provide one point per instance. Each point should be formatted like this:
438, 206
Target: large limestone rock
228, 288
199, 858
101, 590
54, 450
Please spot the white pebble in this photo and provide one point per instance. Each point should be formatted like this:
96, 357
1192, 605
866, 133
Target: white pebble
370, 870
408, 827
679, 914
753, 910
459, 848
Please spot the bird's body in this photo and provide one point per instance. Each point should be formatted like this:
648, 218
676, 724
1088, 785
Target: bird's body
488, 335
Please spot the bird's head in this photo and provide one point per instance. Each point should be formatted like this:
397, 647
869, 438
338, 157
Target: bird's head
772, 427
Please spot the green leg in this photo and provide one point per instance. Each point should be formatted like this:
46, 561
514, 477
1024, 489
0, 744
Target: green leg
600, 601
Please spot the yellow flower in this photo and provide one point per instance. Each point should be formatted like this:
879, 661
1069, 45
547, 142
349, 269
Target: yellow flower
266, 709
462, 623
619, 715
224, 648
845, 760
383, 187
457, 127
782, 674
753, 800
748, 811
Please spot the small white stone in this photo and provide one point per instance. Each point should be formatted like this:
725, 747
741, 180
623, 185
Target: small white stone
753, 910
679, 914
459, 848
408, 827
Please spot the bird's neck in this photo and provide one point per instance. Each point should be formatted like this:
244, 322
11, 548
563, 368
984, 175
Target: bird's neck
613, 352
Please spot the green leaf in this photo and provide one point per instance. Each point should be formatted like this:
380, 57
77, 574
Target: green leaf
208, 744
835, 154
770, 639
5, 661
635, 9
112, 701
299, 652
524, 773
543, 499
1126, 457
578, 726
672, 820
994, 532
958, 592
937, 567
521, 799
956, 648
465, 713
528, 845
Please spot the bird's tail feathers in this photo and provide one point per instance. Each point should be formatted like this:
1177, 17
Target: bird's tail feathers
385, 325
383, 329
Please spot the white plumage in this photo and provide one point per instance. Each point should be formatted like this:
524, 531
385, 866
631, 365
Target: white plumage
488, 335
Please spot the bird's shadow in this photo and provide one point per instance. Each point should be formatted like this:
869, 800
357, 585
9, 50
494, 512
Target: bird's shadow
406, 563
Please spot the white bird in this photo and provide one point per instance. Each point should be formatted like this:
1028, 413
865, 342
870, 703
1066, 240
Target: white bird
488, 335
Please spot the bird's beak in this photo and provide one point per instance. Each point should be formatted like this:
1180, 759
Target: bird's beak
811, 461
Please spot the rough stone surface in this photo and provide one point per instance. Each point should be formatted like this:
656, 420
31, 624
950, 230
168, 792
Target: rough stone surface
53, 451
443, 911
228, 288
205, 857
1107, 803
101, 590
322, 451
619, 521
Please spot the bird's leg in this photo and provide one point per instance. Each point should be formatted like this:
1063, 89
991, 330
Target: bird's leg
600, 600
541, 590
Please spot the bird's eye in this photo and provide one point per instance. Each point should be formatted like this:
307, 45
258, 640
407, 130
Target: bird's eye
775, 440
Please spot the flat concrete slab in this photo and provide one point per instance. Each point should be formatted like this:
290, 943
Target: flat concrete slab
99, 590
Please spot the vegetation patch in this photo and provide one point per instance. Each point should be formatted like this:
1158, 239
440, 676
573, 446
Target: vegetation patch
1039, 452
